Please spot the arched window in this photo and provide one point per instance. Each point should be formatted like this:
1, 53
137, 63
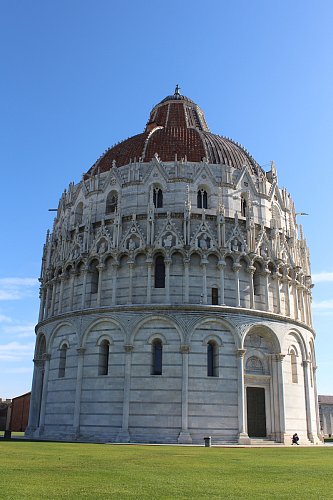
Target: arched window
293, 362
78, 213
111, 202
159, 272
243, 206
62, 361
202, 199
103, 358
212, 359
158, 197
157, 351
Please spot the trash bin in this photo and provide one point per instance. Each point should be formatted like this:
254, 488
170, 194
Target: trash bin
208, 442
7, 435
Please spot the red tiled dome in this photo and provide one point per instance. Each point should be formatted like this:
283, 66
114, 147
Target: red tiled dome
176, 129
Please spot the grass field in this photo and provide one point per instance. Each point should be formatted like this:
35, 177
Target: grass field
65, 470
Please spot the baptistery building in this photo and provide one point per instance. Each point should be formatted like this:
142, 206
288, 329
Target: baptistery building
175, 298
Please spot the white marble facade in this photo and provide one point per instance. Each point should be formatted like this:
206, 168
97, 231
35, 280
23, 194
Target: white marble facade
170, 292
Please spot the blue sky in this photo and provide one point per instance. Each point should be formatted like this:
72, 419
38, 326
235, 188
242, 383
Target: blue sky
78, 76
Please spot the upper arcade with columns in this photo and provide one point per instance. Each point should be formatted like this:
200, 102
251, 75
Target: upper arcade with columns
177, 215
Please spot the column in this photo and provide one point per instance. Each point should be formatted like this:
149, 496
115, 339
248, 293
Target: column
251, 270
149, 273
236, 268
275, 417
84, 286
184, 435
221, 266
187, 280
277, 277
286, 282
319, 433
279, 374
130, 281
123, 435
54, 291
243, 437
167, 263
265, 274
47, 301
114, 283
204, 280
71, 292
61, 293
100, 268
36, 394
78, 390
296, 313
307, 305
310, 308
42, 303
46, 359
307, 385
301, 288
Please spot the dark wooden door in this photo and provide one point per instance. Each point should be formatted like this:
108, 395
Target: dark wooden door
256, 412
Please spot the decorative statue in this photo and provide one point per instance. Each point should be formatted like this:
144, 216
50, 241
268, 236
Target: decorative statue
168, 241
203, 242
131, 245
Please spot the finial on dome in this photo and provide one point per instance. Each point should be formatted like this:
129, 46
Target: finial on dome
177, 89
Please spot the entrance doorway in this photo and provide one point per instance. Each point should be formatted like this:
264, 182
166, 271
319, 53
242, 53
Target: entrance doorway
256, 412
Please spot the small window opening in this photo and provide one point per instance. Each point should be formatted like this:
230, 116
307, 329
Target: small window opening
94, 279
202, 199
215, 296
158, 198
212, 359
111, 203
62, 361
159, 272
293, 361
157, 351
103, 362
243, 206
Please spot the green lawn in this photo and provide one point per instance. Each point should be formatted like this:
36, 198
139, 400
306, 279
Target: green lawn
65, 470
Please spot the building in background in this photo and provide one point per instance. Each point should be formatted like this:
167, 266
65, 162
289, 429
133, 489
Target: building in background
20, 413
4, 411
175, 297
326, 415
